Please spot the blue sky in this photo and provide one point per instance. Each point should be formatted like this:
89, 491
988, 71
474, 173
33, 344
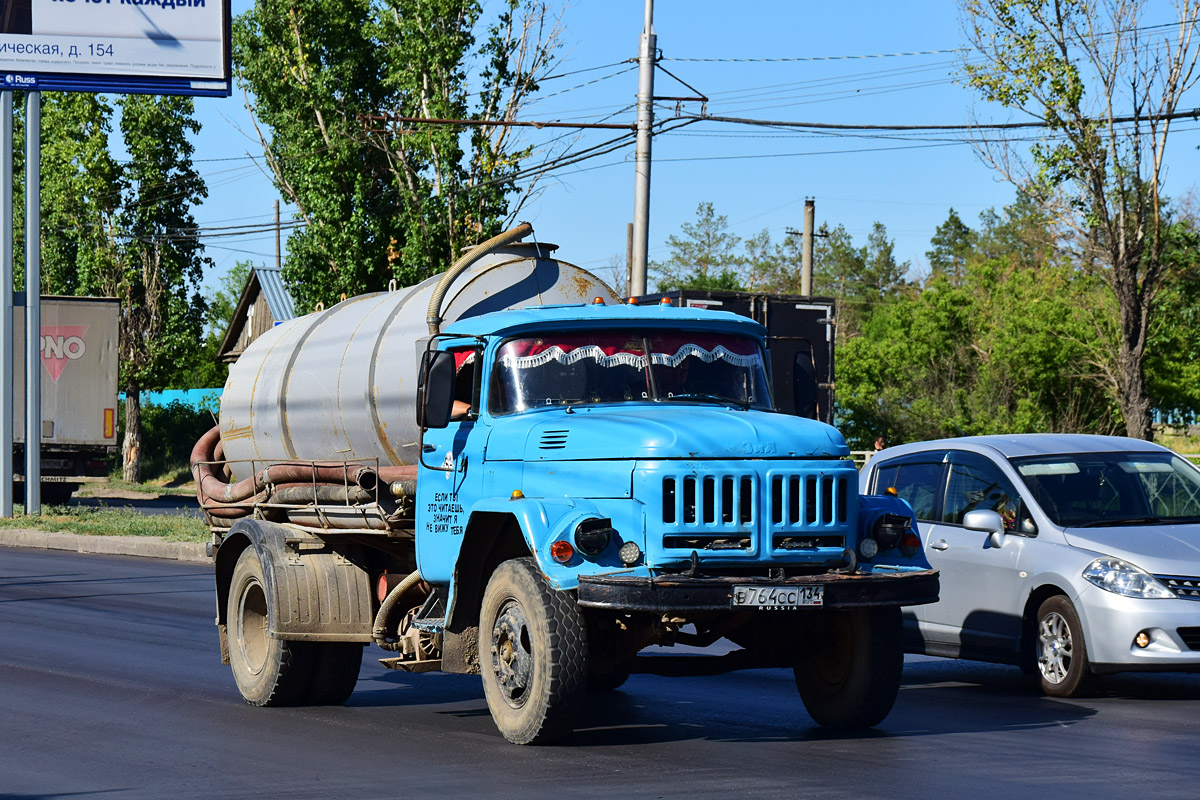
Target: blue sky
757, 177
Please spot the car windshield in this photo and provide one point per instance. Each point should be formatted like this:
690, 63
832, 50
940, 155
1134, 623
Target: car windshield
606, 367
1099, 489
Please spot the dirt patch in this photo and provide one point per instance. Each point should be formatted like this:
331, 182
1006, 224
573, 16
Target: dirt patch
121, 494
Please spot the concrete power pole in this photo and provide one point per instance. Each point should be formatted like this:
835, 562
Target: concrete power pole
645, 121
806, 253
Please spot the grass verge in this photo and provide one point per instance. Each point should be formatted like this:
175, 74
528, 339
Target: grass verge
115, 522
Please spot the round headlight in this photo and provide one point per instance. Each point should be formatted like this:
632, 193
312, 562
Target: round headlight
629, 554
593, 535
890, 530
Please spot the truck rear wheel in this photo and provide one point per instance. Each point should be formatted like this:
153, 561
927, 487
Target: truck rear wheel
533, 654
850, 677
268, 672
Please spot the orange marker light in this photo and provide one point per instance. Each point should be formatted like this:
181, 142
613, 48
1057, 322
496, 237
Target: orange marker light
598, 301
562, 552
666, 301
110, 415
633, 301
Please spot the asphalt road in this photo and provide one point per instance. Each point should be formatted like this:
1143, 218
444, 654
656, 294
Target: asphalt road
111, 687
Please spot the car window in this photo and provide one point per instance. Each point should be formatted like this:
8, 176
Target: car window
973, 483
1090, 489
918, 482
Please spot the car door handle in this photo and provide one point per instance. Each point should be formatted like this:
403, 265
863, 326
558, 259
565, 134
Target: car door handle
940, 544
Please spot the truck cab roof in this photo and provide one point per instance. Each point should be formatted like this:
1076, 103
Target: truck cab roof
600, 315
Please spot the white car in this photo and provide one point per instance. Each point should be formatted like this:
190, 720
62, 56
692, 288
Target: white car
1069, 555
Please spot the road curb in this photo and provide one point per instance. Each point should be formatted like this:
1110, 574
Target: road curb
144, 546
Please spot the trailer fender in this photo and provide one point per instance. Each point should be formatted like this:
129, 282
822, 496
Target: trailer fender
316, 593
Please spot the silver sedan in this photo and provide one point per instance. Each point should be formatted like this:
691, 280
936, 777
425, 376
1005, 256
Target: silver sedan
1069, 555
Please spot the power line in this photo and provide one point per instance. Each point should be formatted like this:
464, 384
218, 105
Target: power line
1190, 114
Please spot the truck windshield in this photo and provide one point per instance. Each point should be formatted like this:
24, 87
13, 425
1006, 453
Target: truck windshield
613, 367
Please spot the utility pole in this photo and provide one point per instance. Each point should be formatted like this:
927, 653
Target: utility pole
645, 121
278, 252
806, 253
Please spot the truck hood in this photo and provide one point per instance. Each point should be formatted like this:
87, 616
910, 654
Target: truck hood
1158, 549
660, 432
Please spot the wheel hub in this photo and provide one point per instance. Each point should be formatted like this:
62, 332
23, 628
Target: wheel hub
512, 655
1054, 648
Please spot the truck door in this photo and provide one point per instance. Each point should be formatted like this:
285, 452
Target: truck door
452, 474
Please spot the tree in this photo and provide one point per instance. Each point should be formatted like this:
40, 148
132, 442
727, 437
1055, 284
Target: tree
859, 278
952, 243
383, 201
203, 370
704, 257
1107, 89
127, 231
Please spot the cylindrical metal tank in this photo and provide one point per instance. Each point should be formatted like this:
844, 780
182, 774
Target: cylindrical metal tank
340, 384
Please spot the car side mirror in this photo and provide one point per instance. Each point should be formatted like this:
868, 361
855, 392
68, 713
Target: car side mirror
435, 389
989, 522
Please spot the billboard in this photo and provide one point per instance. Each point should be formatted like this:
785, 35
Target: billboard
122, 46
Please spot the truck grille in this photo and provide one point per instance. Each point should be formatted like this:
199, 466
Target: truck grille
1190, 636
721, 512
808, 499
1184, 587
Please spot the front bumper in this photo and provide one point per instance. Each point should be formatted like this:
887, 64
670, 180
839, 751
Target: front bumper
1111, 622
677, 593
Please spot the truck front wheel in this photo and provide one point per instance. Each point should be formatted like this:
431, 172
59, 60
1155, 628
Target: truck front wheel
533, 654
848, 673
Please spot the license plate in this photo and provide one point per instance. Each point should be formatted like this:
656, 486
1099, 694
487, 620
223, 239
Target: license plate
768, 598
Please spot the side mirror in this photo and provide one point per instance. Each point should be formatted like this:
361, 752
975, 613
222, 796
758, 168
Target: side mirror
435, 389
989, 522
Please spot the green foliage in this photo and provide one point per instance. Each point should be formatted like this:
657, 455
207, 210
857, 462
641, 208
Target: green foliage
1009, 348
952, 243
705, 256
203, 370
383, 201
169, 432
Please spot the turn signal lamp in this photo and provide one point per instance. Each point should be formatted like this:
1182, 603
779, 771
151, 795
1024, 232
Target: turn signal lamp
910, 545
562, 552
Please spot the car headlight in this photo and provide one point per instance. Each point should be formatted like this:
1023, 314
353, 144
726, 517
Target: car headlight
1121, 577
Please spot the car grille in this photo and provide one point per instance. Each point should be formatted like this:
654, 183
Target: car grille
1184, 587
1190, 636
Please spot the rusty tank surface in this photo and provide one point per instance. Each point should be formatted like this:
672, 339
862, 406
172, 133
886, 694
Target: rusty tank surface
341, 383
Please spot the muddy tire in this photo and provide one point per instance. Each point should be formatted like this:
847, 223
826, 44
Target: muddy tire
1063, 668
268, 672
335, 672
532, 653
850, 677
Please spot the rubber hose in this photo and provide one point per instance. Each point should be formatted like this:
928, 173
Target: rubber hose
433, 316
387, 607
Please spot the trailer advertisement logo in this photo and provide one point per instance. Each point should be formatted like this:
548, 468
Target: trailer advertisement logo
62, 344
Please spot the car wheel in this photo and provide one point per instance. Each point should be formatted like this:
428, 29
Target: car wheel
1062, 662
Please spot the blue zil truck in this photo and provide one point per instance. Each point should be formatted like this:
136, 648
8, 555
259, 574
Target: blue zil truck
548, 487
